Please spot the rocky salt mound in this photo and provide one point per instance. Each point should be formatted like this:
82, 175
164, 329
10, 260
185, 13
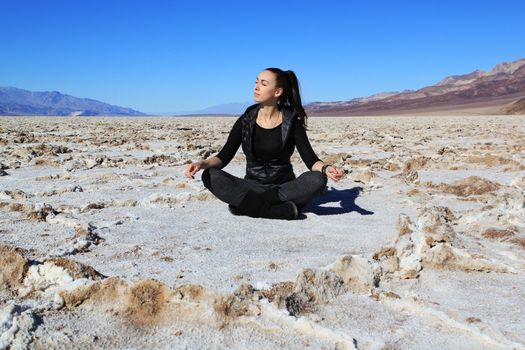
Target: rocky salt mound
105, 244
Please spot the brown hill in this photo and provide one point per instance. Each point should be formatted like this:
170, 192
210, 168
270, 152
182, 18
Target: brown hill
477, 92
517, 107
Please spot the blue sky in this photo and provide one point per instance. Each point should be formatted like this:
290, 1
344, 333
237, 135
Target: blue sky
159, 56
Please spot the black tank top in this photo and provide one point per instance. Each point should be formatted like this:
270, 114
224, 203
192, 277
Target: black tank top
267, 143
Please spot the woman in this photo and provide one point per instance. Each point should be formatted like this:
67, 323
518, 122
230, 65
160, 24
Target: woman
268, 132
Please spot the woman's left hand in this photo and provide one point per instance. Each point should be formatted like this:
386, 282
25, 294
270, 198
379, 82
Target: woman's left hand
334, 173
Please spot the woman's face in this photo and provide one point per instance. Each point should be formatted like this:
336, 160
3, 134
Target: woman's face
266, 89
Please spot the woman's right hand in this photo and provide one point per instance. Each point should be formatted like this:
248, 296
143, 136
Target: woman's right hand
192, 169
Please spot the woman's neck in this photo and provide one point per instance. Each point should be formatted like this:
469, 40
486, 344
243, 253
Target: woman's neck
269, 112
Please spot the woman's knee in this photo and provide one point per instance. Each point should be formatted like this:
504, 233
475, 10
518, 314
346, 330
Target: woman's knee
213, 177
206, 176
316, 180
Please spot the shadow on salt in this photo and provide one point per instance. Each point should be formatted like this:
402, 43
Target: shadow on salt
334, 201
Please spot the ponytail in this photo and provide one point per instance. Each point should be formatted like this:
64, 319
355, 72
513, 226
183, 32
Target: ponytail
291, 97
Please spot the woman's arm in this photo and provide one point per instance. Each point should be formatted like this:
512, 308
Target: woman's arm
223, 157
193, 168
310, 158
302, 143
212, 162
233, 143
318, 166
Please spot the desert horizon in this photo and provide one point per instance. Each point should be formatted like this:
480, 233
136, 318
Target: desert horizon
498, 91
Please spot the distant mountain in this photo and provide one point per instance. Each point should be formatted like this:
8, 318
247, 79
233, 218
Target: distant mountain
483, 92
234, 108
15, 101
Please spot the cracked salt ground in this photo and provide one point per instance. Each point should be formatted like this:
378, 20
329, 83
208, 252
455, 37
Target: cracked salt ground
421, 245
195, 246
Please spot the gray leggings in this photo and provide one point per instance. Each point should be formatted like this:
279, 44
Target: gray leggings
232, 189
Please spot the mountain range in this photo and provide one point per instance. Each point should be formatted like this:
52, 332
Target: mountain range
14, 101
498, 91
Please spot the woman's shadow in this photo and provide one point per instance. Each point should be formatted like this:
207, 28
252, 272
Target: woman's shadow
346, 198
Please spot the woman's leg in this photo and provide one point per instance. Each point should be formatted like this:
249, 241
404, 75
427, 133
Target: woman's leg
227, 187
303, 189
251, 198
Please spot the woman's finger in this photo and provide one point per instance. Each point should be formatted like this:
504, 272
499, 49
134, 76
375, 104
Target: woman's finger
331, 176
333, 171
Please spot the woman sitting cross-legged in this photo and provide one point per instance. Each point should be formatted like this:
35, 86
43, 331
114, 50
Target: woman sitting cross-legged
268, 131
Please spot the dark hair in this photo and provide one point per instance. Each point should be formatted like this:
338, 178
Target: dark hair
287, 80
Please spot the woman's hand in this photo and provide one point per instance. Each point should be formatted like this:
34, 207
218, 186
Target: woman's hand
334, 173
192, 169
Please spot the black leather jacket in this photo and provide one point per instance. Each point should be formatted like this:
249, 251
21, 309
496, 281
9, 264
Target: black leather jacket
275, 171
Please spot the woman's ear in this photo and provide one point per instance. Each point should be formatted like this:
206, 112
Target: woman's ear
278, 92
